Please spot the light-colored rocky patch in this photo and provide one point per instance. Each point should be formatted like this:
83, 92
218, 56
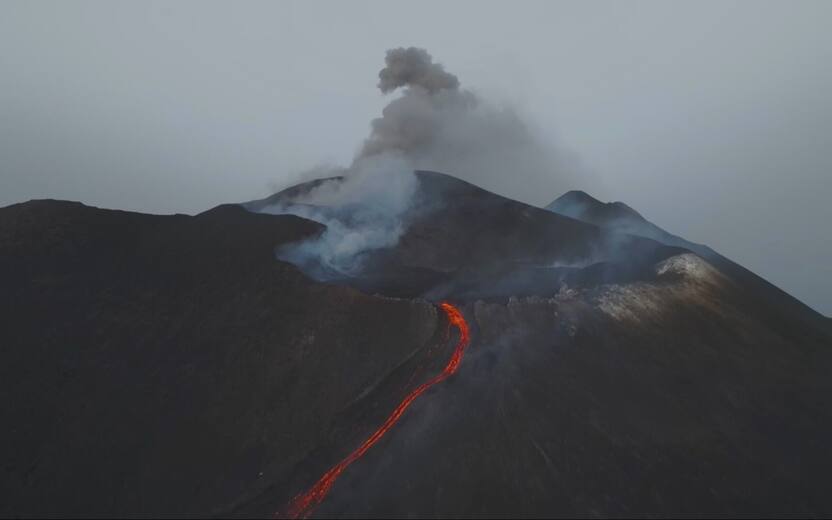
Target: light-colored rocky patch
690, 266
682, 278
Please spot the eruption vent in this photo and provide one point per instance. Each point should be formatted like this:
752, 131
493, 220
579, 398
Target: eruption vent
435, 124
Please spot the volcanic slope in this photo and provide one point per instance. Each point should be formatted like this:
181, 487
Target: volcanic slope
663, 387
621, 218
171, 365
464, 242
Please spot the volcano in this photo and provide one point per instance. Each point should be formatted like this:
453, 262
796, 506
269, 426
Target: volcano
181, 366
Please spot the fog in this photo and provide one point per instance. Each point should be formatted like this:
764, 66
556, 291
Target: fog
714, 120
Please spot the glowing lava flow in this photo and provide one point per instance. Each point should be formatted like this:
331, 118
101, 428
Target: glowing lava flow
302, 505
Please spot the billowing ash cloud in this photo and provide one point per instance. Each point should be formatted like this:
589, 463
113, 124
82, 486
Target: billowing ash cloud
412, 66
437, 125
433, 125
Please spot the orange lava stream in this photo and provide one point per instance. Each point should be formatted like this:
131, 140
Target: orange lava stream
303, 504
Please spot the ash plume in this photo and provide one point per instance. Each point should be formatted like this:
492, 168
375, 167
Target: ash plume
437, 125
433, 125
413, 66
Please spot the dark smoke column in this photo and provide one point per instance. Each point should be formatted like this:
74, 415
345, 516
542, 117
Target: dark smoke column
414, 66
436, 124
411, 125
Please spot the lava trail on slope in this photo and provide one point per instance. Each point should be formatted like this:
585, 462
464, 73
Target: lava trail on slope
303, 504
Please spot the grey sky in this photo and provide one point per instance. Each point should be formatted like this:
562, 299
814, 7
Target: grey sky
712, 119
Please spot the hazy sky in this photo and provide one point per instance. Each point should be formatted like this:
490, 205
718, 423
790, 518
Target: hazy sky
714, 120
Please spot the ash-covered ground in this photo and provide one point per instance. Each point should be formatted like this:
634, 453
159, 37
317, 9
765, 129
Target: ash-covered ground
219, 364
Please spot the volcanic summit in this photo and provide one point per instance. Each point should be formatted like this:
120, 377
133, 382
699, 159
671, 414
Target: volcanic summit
517, 361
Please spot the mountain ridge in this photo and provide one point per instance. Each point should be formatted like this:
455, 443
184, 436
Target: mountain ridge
176, 365
589, 209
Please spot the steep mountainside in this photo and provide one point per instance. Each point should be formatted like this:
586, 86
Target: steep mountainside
161, 365
662, 398
618, 217
172, 365
466, 242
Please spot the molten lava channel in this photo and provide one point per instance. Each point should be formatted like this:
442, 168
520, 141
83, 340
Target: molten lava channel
303, 504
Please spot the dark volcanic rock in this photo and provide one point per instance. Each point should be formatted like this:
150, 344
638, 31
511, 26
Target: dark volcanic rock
464, 242
667, 398
168, 365
617, 217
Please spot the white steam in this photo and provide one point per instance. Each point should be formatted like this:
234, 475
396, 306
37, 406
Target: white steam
433, 125
362, 210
